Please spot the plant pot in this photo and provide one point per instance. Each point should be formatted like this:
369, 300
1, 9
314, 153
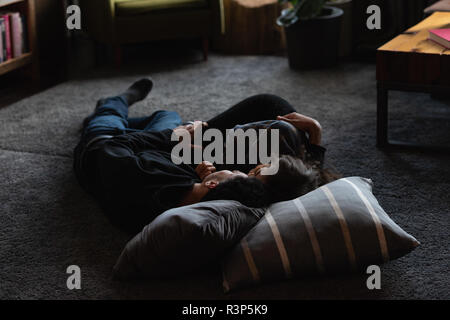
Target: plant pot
314, 43
346, 42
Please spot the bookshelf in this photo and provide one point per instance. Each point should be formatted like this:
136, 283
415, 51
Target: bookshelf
27, 8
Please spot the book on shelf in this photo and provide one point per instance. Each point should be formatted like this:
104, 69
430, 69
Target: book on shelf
2, 43
7, 35
12, 36
23, 20
441, 36
16, 34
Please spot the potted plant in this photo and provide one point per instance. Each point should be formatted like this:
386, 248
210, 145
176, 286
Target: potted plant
346, 41
312, 33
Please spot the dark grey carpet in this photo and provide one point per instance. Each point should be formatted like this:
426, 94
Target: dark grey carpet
47, 222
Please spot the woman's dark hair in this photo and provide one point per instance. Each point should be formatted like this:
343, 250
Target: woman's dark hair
327, 175
296, 178
292, 180
248, 191
324, 175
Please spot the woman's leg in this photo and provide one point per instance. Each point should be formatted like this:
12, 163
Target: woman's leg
256, 108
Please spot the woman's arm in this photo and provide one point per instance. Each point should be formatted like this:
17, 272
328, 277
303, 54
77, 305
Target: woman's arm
307, 124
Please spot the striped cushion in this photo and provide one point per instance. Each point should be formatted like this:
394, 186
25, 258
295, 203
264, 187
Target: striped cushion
339, 227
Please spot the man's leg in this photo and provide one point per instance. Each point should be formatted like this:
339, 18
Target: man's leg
138, 123
158, 121
111, 114
162, 120
110, 118
256, 108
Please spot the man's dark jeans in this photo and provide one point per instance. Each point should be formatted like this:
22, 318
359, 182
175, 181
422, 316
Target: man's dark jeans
111, 118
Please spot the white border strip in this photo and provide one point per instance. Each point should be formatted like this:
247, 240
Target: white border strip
250, 262
344, 226
312, 235
280, 244
376, 220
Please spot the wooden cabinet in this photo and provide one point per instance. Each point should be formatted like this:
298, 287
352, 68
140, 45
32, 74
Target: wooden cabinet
27, 9
52, 39
46, 62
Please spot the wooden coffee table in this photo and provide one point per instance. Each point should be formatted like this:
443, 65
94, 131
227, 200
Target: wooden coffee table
411, 62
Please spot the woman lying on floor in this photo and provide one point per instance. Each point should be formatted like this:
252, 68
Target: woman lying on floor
126, 163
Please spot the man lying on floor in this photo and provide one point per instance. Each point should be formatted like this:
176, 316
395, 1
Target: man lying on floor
126, 164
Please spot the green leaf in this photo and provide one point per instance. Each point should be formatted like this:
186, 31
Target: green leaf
311, 9
302, 9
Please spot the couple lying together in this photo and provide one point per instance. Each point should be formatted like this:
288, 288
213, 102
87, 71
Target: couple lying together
125, 163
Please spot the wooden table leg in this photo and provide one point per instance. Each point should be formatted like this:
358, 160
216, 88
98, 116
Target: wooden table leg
382, 116
382, 128
205, 47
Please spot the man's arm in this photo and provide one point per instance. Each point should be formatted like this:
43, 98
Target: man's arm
119, 160
197, 192
140, 141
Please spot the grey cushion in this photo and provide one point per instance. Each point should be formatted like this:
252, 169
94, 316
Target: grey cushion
339, 227
184, 239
